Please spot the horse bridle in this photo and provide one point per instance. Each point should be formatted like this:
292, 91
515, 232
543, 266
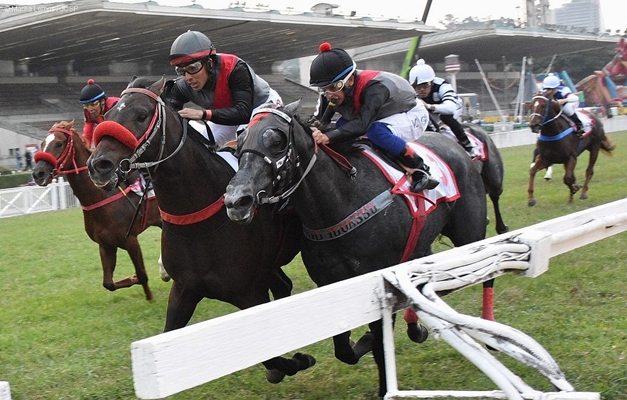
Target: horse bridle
280, 163
547, 104
67, 154
158, 123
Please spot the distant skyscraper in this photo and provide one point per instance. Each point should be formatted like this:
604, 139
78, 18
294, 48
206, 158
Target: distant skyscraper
581, 14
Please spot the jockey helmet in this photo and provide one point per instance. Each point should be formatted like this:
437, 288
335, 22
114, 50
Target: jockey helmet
189, 47
550, 82
421, 73
91, 92
330, 66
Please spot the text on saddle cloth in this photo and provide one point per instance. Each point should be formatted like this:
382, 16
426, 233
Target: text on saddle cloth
446, 191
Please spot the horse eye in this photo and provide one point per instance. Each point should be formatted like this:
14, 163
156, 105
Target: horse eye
142, 117
274, 140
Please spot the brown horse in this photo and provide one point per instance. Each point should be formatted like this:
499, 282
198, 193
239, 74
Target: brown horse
111, 218
206, 254
558, 144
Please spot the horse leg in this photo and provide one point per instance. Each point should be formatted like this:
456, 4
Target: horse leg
416, 332
163, 274
181, 306
549, 173
531, 201
500, 224
378, 353
348, 352
108, 258
278, 367
487, 311
280, 284
141, 277
594, 154
569, 178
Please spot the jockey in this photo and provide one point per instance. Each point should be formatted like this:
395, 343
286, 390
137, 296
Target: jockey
440, 98
223, 85
380, 104
95, 105
569, 101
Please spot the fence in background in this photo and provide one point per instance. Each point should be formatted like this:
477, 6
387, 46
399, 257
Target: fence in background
23, 200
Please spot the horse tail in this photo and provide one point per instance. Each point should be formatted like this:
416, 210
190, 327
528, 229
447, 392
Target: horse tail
607, 146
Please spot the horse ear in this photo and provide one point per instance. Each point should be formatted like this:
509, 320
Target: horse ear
291, 108
169, 84
157, 87
131, 81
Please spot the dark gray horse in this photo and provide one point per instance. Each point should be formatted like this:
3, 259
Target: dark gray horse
279, 159
206, 254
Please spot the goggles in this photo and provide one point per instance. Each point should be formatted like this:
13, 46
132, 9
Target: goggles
95, 103
425, 85
335, 86
191, 69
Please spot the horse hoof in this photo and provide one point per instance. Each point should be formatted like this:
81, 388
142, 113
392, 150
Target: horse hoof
503, 229
531, 203
304, 361
417, 333
584, 196
274, 375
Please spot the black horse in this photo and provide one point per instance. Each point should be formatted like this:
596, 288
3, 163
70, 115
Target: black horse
206, 254
489, 162
278, 159
558, 144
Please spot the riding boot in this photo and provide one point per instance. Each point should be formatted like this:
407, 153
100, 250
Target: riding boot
463, 140
578, 123
420, 177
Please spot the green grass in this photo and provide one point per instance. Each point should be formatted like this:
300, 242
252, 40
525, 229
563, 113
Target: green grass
63, 336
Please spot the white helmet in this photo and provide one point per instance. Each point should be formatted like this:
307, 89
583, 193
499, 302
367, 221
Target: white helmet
421, 73
550, 82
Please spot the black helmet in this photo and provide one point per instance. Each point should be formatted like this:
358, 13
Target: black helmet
189, 47
331, 65
91, 92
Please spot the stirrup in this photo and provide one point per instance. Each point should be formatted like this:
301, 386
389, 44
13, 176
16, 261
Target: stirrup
421, 180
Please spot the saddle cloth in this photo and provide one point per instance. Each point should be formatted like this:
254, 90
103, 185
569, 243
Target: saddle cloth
586, 121
478, 144
446, 191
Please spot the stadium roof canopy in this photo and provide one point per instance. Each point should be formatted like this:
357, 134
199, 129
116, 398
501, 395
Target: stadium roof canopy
92, 32
492, 44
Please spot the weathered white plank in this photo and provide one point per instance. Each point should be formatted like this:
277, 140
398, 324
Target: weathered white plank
174, 361
5, 391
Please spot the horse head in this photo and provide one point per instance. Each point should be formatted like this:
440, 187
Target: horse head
127, 132
542, 111
62, 151
268, 162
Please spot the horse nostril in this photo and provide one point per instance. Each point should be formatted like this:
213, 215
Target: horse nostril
244, 202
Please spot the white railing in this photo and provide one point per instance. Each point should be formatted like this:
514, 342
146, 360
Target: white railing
175, 361
22, 200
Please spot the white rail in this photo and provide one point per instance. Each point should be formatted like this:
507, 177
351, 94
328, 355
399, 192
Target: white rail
172, 362
23, 200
